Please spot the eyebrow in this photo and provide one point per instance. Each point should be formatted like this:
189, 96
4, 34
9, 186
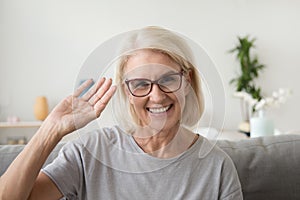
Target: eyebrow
160, 76
170, 72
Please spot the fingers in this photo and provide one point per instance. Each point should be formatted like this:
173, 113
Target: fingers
98, 95
103, 101
93, 89
100, 91
82, 87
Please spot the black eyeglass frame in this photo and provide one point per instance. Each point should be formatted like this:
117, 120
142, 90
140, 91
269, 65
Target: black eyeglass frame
181, 73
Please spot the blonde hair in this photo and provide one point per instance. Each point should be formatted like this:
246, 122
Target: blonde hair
175, 47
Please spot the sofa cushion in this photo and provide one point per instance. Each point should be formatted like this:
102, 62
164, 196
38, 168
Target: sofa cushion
268, 167
9, 152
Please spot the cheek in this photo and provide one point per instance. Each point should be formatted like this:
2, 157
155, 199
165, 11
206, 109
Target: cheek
179, 98
137, 103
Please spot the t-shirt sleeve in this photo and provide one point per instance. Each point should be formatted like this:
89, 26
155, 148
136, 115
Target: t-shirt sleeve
230, 186
236, 195
66, 170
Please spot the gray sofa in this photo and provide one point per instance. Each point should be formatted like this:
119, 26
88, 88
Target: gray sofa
268, 168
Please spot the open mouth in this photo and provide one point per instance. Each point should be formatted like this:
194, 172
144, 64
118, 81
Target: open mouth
160, 109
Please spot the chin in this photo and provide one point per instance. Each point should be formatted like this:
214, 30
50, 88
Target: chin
163, 125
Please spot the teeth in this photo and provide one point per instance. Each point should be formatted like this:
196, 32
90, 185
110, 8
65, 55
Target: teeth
159, 110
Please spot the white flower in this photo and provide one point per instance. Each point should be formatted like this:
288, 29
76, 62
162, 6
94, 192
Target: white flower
246, 97
260, 104
278, 97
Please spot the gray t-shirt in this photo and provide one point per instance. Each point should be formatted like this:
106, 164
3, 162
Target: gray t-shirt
108, 164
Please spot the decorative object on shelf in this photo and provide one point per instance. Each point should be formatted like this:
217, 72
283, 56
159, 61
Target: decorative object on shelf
278, 97
41, 108
247, 103
244, 82
261, 125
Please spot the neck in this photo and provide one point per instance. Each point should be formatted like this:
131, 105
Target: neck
164, 143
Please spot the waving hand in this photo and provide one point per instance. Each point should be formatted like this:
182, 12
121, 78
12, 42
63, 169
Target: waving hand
75, 112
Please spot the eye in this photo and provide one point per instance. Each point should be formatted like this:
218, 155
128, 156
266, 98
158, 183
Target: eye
139, 84
170, 79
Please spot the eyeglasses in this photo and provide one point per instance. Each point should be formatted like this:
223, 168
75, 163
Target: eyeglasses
169, 83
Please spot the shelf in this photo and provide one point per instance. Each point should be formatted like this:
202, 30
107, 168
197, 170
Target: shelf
25, 124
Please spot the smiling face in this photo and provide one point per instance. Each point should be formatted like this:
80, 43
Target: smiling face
158, 110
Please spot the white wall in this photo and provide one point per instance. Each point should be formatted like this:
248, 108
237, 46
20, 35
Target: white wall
43, 44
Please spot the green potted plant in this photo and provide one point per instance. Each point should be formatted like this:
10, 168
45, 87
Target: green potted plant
244, 82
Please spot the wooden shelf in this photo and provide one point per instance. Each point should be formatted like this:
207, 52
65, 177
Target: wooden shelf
25, 124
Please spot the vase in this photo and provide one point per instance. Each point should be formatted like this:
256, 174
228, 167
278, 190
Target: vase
41, 108
261, 125
246, 111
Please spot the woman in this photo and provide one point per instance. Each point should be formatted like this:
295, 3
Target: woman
152, 154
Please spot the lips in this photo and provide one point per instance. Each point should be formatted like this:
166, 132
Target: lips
159, 110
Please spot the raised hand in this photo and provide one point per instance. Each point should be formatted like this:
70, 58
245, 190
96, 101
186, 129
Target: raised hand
75, 112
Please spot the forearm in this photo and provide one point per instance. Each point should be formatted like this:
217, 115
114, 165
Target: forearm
17, 182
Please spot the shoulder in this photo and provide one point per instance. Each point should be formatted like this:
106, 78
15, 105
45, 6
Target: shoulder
209, 150
99, 136
100, 140
219, 164
216, 160
94, 139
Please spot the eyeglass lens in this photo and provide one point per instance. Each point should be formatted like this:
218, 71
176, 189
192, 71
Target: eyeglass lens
142, 87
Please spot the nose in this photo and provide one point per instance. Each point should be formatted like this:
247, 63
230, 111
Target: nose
156, 95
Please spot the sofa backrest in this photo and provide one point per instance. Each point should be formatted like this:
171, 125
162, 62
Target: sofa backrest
268, 167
